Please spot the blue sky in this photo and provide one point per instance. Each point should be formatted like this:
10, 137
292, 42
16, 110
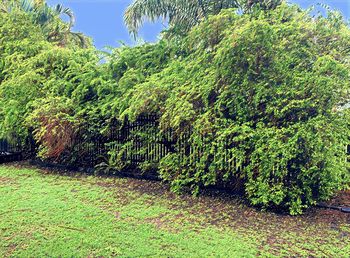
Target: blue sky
103, 19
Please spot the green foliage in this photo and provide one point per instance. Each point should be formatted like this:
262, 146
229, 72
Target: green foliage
34, 69
49, 20
261, 97
55, 125
260, 94
183, 15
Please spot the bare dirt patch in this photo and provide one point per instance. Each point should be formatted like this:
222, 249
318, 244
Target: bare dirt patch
341, 199
7, 180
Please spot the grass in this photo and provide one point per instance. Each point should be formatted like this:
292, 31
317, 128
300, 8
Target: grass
45, 214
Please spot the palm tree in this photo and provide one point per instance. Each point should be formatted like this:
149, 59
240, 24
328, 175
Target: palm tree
184, 14
48, 18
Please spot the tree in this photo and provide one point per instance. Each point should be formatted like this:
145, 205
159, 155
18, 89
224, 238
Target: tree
182, 15
31, 68
49, 19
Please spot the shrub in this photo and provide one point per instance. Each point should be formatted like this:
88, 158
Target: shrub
260, 95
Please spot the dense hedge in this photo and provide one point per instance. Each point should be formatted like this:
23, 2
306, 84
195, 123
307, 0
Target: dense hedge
265, 89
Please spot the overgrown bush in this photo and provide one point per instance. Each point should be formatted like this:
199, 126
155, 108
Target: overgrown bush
261, 98
261, 95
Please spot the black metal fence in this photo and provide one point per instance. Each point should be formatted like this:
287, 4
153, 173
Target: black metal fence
136, 142
139, 142
10, 150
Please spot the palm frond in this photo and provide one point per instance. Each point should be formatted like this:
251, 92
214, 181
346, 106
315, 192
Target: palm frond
140, 10
180, 13
80, 39
60, 9
27, 6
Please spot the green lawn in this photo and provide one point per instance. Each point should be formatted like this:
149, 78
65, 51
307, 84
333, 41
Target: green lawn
44, 214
